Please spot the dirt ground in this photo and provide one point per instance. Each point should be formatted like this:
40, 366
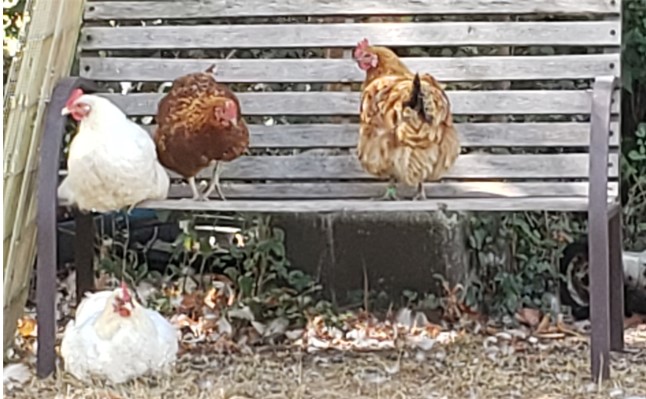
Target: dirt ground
470, 367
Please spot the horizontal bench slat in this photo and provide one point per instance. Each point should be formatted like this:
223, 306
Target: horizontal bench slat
347, 103
446, 69
467, 166
562, 204
118, 10
297, 190
579, 33
321, 166
568, 134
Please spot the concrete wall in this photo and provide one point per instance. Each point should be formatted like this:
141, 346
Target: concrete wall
399, 251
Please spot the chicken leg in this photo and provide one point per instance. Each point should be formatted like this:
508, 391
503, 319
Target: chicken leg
421, 194
196, 194
215, 183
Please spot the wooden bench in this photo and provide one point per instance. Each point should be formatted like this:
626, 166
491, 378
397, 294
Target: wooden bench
528, 145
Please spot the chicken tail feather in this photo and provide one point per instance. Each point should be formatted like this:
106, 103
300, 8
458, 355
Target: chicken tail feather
212, 69
416, 100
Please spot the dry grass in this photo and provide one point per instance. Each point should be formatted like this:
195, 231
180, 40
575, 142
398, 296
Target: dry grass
462, 369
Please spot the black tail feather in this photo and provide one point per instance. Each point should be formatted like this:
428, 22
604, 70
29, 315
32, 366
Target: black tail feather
416, 101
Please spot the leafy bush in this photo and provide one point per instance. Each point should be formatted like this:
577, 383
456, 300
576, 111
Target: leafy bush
634, 124
12, 21
265, 281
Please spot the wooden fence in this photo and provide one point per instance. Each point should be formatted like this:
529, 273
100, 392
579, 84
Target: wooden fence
47, 54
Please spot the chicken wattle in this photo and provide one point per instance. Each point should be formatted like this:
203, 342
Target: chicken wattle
113, 337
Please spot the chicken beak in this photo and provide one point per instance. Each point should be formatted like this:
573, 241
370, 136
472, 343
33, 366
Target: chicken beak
65, 111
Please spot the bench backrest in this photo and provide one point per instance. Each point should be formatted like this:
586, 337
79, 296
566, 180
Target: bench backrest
518, 75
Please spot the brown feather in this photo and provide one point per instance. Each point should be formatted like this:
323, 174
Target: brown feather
189, 135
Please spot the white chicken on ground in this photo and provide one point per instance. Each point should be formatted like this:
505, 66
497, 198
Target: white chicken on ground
112, 162
114, 337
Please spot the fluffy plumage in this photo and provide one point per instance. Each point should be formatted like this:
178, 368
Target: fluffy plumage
112, 161
114, 337
407, 131
199, 123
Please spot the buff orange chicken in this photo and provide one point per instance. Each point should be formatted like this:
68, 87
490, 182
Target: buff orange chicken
406, 133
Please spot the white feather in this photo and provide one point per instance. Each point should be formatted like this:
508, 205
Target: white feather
112, 162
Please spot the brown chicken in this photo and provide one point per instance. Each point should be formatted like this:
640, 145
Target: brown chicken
199, 124
407, 133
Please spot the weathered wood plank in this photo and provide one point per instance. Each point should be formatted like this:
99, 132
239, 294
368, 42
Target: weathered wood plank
347, 103
324, 190
317, 166
120, 10
468, 166
579, 33
328, 206
446, 69
567, 134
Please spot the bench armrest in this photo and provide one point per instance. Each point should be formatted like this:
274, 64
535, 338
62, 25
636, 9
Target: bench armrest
53, 134
50, 150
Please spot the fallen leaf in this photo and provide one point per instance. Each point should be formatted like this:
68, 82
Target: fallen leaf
277, 326
224, 327
145, 290
404, 318
225, 284
634, 321
544, 324
550, 335
421, 321
181, 320
259, 327
422, 342
187, 284
15, 375
293, 335
189, 302
243, 313
529, 316
564, 328
27, 327
102, 282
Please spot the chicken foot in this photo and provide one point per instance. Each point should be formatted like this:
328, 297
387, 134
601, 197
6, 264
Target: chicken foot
390, 194
421, 194
215, 183
196, 193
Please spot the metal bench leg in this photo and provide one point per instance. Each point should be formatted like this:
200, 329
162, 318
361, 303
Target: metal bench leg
599, 270
84, 254
616, 284
46, 289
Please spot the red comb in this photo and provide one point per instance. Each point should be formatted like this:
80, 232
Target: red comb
76, 93
361, 46
124, 288
230, 110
